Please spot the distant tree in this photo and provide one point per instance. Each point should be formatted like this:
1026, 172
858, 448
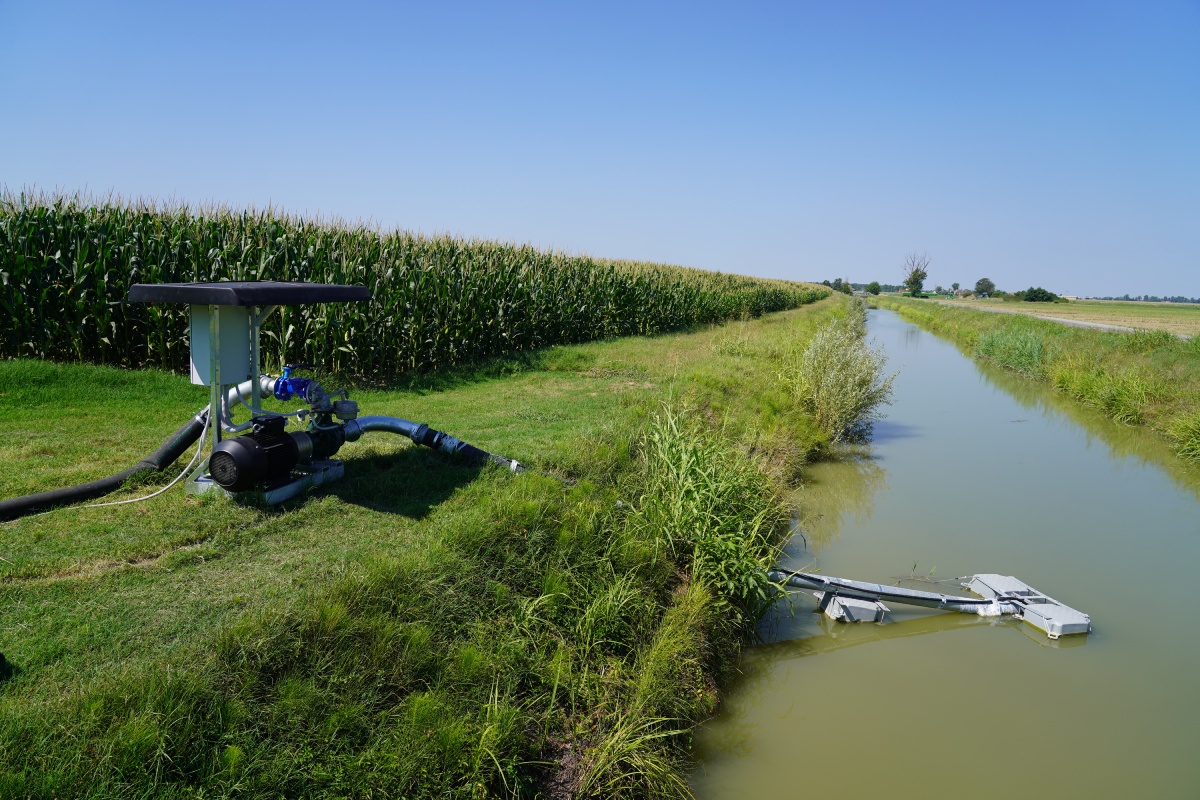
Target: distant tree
938, 289
954, 287
873, 287
985, 286
846, 287
836, 285
916, 270
1037, 295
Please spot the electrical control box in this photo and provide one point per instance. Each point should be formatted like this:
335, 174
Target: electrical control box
233, 344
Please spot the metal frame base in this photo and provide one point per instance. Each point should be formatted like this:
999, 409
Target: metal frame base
306, 476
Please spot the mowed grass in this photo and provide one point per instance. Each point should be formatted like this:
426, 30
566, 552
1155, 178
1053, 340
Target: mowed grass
1177, 318
421, 627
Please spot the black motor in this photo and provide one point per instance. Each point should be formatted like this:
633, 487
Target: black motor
263, 456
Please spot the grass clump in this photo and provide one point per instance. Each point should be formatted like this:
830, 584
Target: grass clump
712, 510
1018, 349
839, 378
1185, 433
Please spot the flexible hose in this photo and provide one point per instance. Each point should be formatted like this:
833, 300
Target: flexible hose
157, 461
422, 434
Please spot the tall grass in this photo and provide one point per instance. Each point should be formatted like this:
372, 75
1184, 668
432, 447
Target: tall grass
1185, 433
839, 378
1019, 349
713, 510
66, 265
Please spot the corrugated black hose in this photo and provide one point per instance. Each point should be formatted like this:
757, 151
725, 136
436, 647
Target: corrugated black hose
157, 461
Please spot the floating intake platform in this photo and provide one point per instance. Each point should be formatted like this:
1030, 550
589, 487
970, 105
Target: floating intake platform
1002, 595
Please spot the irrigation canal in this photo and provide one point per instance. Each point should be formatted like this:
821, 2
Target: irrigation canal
975, 470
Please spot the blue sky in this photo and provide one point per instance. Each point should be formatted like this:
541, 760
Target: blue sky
1049, 143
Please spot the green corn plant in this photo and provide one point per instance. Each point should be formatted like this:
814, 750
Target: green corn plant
66, 265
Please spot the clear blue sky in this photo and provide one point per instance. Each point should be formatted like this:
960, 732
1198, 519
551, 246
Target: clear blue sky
1051, 143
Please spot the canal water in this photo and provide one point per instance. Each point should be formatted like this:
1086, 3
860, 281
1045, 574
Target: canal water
975, 470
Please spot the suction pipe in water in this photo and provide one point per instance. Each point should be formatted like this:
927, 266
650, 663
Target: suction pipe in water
874, 591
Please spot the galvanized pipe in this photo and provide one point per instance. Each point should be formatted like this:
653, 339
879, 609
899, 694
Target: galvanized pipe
862, 590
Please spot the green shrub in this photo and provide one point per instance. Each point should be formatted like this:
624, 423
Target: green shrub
839, 378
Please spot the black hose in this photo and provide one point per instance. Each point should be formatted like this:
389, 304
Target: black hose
157, 461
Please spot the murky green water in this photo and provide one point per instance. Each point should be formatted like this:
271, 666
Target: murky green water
977, 471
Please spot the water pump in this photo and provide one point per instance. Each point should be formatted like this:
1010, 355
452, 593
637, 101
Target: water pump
267, 459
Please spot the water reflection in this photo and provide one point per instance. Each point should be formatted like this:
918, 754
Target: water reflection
836, 492
886, 430
1122, 441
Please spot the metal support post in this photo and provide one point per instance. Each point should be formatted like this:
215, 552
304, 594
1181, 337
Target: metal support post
216, 392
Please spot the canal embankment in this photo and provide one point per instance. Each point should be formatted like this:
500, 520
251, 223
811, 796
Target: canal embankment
420, 628
1141, 377
977, 468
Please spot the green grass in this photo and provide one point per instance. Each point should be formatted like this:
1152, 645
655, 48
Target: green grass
420, 628
1138, 378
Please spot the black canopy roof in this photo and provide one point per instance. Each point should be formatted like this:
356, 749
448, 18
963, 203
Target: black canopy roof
247, 293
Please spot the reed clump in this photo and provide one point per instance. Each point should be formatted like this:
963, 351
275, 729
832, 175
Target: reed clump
1019, 349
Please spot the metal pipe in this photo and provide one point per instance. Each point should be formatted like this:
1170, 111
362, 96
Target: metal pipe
862, 590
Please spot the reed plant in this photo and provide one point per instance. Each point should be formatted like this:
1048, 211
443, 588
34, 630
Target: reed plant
66, 265
1020, 349
1185, 433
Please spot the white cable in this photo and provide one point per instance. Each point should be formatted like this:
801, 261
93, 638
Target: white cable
186, 470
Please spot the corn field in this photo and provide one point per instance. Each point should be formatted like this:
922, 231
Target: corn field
66, 266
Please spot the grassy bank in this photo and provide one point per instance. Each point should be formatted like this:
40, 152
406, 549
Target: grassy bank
419, 628
66, 265
1177, 318
1145, 377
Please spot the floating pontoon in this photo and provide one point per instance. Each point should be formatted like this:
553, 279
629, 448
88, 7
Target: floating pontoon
1001, 595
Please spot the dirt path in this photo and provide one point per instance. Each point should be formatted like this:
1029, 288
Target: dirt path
1075, 323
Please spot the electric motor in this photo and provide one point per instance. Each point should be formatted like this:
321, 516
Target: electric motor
265, 455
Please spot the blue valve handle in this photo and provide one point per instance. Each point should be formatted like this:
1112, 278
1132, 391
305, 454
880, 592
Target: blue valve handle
288, 386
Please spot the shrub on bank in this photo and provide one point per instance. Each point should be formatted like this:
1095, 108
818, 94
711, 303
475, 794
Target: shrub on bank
839, 378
